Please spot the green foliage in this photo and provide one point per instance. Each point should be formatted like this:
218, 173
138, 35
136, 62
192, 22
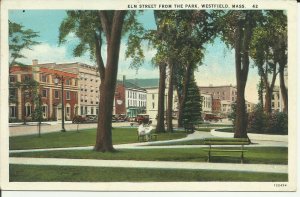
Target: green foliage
232, 115
19, 39
275, 123
193, 106
257, 119
86, 26
278, 123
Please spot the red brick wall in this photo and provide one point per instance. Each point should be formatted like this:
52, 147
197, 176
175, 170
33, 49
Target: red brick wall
216, 105
120, 95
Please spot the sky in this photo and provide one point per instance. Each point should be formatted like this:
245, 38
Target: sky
218, 66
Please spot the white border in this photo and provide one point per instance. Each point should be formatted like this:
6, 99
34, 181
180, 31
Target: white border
290, 6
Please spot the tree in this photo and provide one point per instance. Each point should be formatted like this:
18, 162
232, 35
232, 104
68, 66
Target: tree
183, 34
268, 50
91, 27
19, 39
193, 105
236, 28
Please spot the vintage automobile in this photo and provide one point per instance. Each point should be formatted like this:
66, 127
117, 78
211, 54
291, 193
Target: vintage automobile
212, 117
85, 119
143, 118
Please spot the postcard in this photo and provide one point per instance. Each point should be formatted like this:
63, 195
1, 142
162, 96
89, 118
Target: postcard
148, 95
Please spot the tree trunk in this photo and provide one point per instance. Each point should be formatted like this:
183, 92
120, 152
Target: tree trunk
242, 41
170, 98
160, 126
268, 100
187, 78
107, 87
284, 91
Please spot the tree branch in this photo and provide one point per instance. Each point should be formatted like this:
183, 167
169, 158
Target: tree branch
106, 25
99, 58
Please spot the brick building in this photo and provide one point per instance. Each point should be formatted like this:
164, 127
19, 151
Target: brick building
130, 99
88, 84
21, 99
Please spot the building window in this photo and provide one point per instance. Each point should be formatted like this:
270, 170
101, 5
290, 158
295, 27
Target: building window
12, 79
97, 111
44, 78
45, 111
81, 110
44, 93
12, 93
85, 110
68, 82
12, 111
153, 96
27, 109
68, 111
27, 77
273, 105
68, 95
56, 94
92, 110
153, 105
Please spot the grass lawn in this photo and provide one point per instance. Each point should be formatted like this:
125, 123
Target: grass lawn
86, 137
265, 155
230, 130
30, 173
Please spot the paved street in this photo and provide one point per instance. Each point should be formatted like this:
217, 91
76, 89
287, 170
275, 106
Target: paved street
47, 127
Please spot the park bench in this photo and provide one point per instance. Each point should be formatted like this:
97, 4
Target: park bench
226, 142
145, 134
189, 127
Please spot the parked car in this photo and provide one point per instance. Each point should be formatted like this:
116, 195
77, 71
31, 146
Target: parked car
85, 119
212, 117
143, 118
121, 118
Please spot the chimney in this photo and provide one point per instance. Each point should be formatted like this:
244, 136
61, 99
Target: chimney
124, 79
35, 62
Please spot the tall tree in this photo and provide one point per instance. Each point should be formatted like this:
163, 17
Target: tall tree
236, 28
19, 39
279, 22
192, 107
268, 50
91, 27
185, 34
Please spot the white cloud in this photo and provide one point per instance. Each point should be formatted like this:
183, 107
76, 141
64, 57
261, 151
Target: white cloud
46, 53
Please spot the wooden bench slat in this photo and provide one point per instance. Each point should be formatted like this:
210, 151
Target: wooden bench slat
214, 150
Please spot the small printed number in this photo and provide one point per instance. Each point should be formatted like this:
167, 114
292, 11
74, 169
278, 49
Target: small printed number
254, 6
280, 185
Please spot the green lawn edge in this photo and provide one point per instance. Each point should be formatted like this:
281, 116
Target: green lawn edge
31, 173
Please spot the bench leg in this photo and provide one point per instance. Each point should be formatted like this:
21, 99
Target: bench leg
242, 157
209, 154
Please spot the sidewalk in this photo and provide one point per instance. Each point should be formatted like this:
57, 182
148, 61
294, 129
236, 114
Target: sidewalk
150, 164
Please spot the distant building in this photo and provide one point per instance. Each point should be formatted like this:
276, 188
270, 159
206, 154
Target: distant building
216, 106
21, 102
250, 106
228, 92
130, 99
226, 107
88, 83
222, 97
206, 102
276, 100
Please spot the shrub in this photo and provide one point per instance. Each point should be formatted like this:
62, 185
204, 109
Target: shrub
257, 120
278, 123
275, 123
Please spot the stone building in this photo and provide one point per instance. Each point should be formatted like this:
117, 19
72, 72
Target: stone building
88, 84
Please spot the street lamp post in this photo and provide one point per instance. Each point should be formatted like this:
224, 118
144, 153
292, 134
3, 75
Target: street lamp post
61, 78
